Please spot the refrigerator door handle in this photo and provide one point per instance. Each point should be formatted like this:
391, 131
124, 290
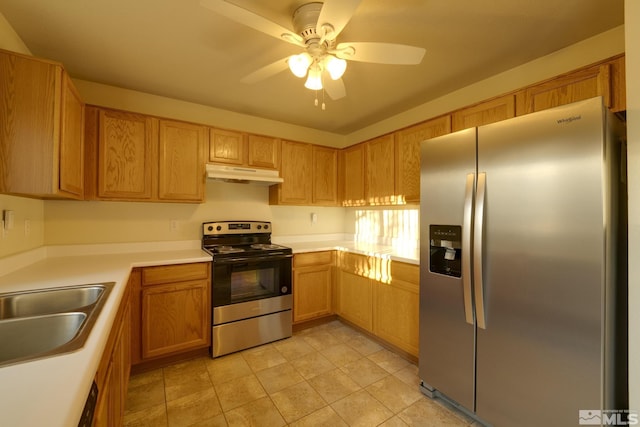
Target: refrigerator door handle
466, 248
478, 229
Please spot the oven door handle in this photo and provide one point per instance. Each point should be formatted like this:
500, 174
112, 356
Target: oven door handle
274, 257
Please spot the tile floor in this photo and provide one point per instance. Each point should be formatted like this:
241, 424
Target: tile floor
329, 375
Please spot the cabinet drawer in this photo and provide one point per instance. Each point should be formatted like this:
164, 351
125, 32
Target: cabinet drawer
405, 272
175, 273
312, 258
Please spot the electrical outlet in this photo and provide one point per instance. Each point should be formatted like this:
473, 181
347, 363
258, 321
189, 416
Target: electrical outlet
27, 228
314, 218
173, 225
2, 229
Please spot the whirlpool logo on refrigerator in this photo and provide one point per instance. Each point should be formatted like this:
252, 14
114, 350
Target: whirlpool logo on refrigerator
596, 417
568, 120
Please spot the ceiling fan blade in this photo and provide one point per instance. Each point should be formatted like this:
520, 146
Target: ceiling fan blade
250, 19
336, 13
381, 53
266, 71
334, 88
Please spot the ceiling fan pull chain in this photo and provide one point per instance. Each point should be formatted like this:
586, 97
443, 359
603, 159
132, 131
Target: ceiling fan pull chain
322, 98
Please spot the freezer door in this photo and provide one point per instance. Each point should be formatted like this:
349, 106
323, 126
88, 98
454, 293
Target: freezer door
447, 334
539, 360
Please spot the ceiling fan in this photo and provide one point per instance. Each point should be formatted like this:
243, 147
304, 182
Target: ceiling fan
316, 27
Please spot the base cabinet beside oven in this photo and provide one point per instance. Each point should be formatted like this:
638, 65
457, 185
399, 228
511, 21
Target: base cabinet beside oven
312, 285
172, 311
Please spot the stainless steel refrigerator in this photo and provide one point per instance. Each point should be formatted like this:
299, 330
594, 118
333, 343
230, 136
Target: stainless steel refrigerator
523, 267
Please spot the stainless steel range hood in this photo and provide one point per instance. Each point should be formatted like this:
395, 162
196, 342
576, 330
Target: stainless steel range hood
243, 175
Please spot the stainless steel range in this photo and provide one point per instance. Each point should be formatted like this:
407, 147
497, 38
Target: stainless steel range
251, 285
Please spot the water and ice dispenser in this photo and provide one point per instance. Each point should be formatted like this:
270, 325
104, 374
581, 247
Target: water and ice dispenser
446, 249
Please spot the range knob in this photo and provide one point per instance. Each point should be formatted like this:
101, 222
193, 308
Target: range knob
266, 226
210, 228
260, 227
218, 228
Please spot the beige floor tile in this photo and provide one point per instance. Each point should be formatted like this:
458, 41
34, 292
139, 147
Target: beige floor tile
144, 395
183, 379
394, 394
293, 347
217, 421
333, 385
321, 339
227, 368
364, 372
361, 409
237, 392
427, 413
344, 333
263, 357
341, 354
146, 378
395, 421
153, 416
259, 413
389, 361
364, 345
312, 364
297, 401
196, 407
325, 417
409, 375
279, 377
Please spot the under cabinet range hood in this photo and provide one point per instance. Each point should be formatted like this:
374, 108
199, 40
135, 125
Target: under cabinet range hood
243, 175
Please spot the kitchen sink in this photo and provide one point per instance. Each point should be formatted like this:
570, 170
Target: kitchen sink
48, 301
48, 322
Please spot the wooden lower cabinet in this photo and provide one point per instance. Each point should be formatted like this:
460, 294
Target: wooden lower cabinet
380, 296
112, 377
396, 307
312, 285
174, 309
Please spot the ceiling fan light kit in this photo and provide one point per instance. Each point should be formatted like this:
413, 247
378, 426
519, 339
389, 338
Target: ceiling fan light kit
316, 27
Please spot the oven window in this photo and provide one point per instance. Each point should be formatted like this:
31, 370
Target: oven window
253, 284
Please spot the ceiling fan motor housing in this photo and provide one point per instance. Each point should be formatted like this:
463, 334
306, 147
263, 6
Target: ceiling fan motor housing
305, 19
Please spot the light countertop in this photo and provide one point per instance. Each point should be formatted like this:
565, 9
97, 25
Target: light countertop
52, 391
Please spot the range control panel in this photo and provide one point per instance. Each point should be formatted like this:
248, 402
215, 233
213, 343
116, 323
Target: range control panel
215, 228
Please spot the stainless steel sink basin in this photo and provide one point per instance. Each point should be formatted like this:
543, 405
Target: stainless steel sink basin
48, 301
48, 322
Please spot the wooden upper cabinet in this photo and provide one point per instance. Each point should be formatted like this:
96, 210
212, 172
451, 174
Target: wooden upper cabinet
618, 85
227, 147
576, 86
296, 171
325, 176
407, 156
263, 152
351, 175
126, 151
41, 117
491, 111
380, 171
181, 161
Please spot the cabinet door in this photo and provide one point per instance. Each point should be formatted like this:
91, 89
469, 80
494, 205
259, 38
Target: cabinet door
126, 151
577, 86
355, 299
263, 152
71, 141
484, 113
311, 292
325, 176
175, 317
380, 171
407, 156
181, 161
352, 176
227, 147
297, 174
396, 308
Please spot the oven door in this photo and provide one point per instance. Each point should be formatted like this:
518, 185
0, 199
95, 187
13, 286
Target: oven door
241, 279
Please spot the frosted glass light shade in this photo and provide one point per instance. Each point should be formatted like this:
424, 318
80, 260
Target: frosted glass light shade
335, 66
298, 64
314, 81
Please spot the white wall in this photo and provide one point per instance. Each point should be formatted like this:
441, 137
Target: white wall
632, 36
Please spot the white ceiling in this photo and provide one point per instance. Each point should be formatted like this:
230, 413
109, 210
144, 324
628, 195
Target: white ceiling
179, 49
